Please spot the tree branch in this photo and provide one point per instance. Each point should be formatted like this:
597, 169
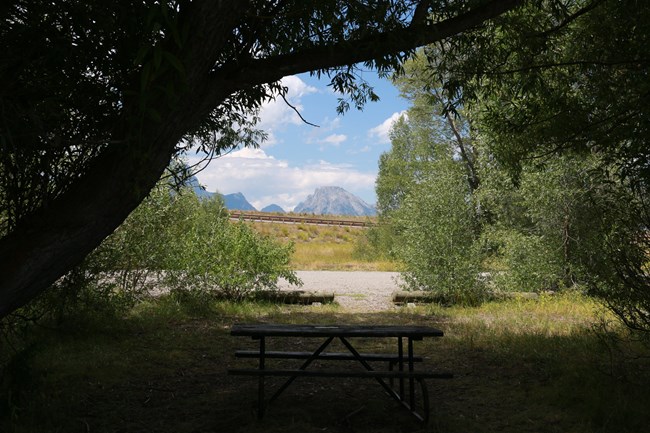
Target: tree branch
570, 19
260, 71
297, 112
421, 13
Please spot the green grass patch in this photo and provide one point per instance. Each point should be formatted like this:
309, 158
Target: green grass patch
520, 366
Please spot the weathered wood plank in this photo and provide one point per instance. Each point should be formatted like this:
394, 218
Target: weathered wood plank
287, 330
340, 373
404, 297
423, 297
295, 297
334, 356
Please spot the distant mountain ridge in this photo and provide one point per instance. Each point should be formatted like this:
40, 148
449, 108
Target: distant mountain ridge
334, 200
273, 208
200, 192
328, 200
237, 201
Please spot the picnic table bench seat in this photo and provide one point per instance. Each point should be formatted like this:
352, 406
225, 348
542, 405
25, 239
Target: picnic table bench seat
391, 374
333, 356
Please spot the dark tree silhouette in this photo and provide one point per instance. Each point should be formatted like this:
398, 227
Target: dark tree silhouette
96, 98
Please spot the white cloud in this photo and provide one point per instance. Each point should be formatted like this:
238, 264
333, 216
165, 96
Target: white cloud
364, 149
264, 179
334, 139
320, 134
275, 115
381, 132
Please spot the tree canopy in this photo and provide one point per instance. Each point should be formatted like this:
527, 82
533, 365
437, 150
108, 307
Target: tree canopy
557, 98
98, 97
569, 76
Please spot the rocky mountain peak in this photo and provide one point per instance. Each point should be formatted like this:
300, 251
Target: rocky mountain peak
334, 200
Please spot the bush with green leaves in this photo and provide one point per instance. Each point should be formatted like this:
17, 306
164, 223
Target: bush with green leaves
191, 245
437, 240
172, 242
526, 260
548, 231
231, 259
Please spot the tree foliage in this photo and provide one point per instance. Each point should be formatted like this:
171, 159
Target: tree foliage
437, 240
569, 75
173, 242
572, 80
548, 230
424, 192
98, 97
558, 94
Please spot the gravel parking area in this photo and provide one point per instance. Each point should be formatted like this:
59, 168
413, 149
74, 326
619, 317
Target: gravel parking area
357, 291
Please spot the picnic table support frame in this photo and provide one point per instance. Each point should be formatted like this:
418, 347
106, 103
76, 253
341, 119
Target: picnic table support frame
411, 379
261, 384
342, 333
304, 366
399, 397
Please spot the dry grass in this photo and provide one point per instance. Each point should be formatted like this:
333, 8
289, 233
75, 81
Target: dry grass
328, 248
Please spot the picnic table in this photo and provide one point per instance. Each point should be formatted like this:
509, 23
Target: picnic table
405, 360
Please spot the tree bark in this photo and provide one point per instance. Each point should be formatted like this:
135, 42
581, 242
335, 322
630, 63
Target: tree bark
50, 242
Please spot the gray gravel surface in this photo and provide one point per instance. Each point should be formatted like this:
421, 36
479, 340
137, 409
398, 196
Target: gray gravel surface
357, 291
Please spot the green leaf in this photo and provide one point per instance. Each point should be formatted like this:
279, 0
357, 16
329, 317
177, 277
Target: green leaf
175, 62
157, 56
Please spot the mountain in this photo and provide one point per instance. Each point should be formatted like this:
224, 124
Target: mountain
237, 201
332, 200
200, 192
273, 208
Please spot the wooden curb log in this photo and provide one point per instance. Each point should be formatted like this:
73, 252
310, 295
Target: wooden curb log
423, 297
295, 297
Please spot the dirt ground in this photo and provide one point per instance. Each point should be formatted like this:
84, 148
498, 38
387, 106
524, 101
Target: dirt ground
353, 291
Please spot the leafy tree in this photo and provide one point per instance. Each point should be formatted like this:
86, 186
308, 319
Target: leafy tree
546, 230
214, 255
424, 191
427, 133
172, 242
566, 76
437, 238
97, 97
571, 78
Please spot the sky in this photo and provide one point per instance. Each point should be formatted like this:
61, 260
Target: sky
297, 158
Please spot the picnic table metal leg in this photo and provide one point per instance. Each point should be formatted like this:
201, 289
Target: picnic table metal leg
411, 380
309, 360
260, 389
425, 401
400, 355
368, 367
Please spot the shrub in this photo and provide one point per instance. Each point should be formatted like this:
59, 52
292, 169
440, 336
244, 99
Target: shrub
172, 241
437, 240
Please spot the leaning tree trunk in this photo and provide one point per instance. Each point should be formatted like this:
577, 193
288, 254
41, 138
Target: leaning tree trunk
54, 239
50, 242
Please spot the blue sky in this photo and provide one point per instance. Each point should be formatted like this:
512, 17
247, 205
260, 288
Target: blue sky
298, 158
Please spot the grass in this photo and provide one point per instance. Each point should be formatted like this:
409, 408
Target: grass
520, 366
330, 248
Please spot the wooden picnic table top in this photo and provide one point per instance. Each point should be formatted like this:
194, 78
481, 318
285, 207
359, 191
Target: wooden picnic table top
289, 330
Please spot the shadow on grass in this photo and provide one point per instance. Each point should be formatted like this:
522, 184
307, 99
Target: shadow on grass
166, 372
